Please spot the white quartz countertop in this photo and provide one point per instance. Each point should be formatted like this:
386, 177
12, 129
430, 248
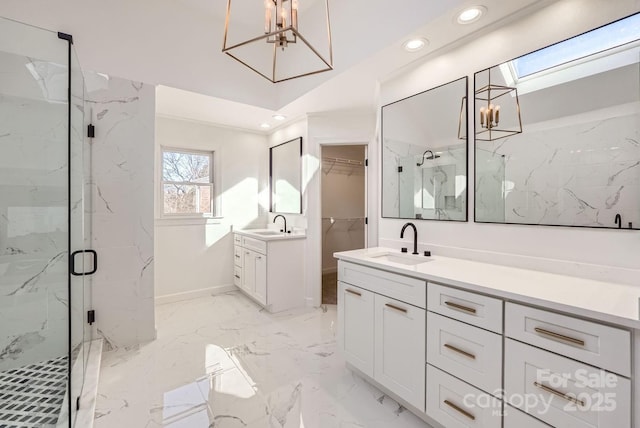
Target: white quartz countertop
270, 234
609, 302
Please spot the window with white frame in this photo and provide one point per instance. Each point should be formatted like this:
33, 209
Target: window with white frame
187, 183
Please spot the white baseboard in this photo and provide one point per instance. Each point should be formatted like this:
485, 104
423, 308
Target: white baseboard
194, 294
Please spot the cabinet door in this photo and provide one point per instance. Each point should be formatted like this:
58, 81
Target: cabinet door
249, 272
400, 349
260, 279
355, 326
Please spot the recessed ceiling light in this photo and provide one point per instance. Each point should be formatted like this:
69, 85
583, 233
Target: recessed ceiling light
414, 45
265, 125
279, 117
471, 14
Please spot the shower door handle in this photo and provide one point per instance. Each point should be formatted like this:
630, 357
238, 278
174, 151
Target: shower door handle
72, 267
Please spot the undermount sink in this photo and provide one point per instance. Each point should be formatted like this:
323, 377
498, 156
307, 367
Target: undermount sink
400, 258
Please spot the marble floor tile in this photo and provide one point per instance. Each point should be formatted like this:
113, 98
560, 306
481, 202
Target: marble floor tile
222, 361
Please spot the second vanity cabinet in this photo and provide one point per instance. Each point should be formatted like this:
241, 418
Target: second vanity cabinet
270, 271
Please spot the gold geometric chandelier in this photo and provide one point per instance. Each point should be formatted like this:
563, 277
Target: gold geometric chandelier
267, 37
496, 121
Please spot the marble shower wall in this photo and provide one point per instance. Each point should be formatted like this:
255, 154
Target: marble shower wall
576, 171
489, 186
402, 197
33, 230
123, 113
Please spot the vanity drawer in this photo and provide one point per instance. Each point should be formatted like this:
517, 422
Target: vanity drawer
403, 288
456, 404
466, 352
514, 418
254, 244
237, 276
237, 256
563, 392
602, 346
481, 311
237, 239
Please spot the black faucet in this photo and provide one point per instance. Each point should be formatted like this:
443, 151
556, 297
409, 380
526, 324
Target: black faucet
415, 236
285, 222
618, 221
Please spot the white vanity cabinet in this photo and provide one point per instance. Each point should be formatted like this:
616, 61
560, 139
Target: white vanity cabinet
356, 318
464, 342
516, 419
399, 343
254, 278
467, 355
571, 393
380, 335
270, 271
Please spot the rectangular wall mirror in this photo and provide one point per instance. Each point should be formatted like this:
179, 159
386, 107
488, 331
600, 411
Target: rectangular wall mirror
424, 155
556, 133
285, 177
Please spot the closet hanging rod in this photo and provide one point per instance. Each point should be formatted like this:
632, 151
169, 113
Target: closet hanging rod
343, 218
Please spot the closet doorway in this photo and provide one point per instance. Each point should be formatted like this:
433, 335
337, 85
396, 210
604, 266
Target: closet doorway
344, 201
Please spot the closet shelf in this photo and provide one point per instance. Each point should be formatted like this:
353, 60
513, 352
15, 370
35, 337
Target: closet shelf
331, 163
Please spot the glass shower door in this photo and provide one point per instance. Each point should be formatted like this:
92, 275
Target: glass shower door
34, 226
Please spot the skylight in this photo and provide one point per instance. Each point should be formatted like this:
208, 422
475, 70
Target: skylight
618, 33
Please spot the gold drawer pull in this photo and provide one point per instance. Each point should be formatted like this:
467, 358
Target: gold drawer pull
237, 256
559, 336
460, 410
558, 394
237, 276
397, 308
460, 351
460, 307
353, 292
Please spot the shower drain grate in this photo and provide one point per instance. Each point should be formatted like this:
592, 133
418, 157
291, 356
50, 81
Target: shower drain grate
32, 396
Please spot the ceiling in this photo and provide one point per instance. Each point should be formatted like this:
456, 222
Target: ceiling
177, 44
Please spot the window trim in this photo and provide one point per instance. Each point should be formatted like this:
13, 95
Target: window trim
212, 183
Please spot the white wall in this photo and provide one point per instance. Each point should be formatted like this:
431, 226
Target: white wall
599, 254
338, 127
196, 256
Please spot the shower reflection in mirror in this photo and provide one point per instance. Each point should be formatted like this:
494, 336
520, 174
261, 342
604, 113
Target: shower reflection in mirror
567, 149
424, 154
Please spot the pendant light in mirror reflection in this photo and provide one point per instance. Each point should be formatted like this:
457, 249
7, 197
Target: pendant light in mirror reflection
497, 110
279, 39
577, 163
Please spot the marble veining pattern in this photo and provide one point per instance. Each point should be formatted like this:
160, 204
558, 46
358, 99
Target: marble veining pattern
222, 362
33, 216
121, 188
579, 173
